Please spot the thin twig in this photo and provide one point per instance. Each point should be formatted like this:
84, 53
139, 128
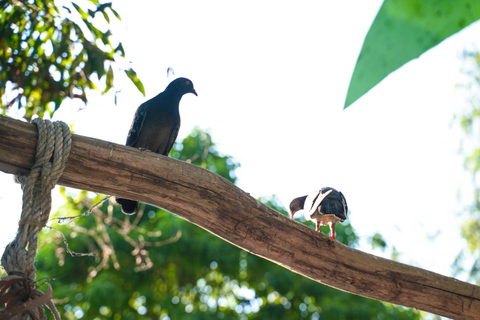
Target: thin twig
73, 253
65, 220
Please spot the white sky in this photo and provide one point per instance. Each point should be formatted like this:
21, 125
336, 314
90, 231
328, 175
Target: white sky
272, 78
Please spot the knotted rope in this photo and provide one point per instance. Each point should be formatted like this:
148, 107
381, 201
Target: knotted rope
24, 300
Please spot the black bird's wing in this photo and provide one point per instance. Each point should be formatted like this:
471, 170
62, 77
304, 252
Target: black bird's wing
344, 202
137, 124
171, 140
334, 203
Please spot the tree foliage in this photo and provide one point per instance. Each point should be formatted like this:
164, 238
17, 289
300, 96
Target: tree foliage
50, 53
469, 121
154, 265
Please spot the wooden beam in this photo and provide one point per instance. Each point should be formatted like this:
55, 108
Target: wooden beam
218, 206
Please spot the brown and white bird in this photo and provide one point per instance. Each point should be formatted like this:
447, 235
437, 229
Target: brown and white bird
326, 206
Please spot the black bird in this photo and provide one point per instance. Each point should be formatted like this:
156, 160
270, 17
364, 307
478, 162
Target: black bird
325, 207
155, 126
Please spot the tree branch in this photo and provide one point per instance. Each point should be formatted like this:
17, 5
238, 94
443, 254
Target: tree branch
218, 206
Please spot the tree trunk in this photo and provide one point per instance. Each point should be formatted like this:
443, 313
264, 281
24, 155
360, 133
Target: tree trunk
218, 206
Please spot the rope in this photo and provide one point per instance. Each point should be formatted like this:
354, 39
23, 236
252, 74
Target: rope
24, 300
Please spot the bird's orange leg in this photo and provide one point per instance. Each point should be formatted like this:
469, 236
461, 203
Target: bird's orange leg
332, 231
318, 227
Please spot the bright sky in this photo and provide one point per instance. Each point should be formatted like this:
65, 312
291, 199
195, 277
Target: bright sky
272, 78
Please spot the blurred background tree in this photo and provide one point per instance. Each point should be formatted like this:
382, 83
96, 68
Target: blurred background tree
469, 120
154, 265
50, 53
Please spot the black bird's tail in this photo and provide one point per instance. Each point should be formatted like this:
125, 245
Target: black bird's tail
129, 207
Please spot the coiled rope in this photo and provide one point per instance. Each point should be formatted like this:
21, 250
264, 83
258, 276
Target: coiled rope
19, 293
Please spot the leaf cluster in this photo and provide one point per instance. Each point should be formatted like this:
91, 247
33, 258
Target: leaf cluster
48, 54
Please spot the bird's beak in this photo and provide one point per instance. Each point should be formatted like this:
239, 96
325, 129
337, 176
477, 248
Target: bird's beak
194, 92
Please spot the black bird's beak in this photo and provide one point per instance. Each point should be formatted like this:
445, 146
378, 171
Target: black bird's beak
194, 92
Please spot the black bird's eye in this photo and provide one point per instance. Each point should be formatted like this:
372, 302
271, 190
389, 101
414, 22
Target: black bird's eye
187, 83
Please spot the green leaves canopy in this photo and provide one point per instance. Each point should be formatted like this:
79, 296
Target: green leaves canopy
48, 53
402, 31
468, 118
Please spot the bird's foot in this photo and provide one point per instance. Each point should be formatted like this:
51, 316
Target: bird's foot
333, 237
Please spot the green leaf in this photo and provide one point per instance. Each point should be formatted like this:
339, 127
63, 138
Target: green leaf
133, 76
80, 11
109, 81
402, 31
115, 13
119, 49
105, 15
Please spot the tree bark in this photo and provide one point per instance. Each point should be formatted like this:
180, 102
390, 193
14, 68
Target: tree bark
218, 206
